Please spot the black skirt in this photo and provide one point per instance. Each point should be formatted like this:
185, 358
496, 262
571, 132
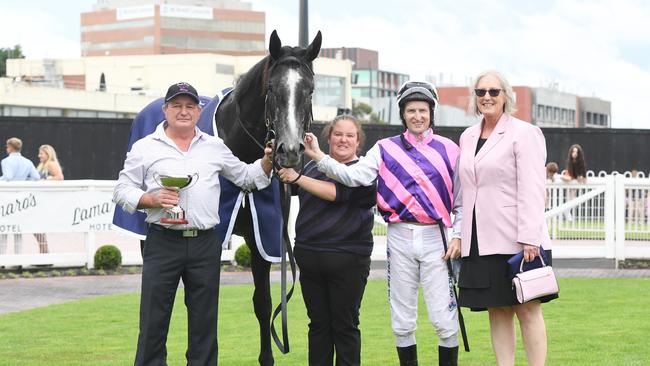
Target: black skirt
484, 281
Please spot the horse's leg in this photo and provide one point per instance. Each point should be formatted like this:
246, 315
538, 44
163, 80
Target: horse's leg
261, 300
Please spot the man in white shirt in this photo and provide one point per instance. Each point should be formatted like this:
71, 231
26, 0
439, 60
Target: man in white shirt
192, 251
16, 167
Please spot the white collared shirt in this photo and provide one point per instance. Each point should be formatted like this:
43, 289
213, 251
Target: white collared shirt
207, 156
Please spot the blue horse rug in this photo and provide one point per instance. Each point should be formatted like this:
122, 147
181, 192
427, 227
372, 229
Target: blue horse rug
264, 204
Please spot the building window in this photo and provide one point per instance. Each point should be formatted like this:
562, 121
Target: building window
137, 43
225, 69
196, 43
329, 91
212, 25
144, 23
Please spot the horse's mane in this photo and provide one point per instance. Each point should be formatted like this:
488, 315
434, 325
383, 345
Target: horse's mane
259, 71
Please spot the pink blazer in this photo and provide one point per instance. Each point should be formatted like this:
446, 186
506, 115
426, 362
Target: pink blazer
505, 184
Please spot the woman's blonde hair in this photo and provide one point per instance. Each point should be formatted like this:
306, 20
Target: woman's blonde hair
509, 107
51, 157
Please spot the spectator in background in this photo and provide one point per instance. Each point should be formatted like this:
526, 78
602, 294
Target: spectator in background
50, 169
15, 167
551, 174
576, 168
636, 200
551, 171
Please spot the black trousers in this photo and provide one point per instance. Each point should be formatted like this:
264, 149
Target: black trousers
167, 258
332, 287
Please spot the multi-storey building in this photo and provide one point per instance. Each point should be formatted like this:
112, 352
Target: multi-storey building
370, 85
153, 27
544, 107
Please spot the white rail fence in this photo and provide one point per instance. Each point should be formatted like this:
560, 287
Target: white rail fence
607, 217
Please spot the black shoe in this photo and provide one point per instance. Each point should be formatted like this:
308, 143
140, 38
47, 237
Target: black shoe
408, 356
447, 356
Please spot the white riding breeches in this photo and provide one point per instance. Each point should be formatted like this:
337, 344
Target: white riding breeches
414, 255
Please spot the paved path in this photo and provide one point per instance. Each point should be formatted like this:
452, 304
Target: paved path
27, 293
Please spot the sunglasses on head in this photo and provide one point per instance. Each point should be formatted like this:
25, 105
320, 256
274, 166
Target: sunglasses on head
481, 92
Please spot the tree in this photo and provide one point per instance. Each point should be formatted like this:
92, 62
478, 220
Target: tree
363, 112
7, 53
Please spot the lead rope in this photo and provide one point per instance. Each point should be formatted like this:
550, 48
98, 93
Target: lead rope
285, 250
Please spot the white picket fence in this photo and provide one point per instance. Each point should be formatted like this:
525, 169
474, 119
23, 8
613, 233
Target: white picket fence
606, 217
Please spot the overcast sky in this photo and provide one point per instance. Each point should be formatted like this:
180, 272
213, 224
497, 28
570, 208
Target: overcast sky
592, 48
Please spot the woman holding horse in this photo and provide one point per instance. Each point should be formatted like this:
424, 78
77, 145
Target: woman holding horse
415, 184
332, 248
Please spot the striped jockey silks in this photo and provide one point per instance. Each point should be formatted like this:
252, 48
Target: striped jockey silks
415, 182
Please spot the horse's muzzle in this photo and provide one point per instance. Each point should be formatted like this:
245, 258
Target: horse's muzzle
289, 155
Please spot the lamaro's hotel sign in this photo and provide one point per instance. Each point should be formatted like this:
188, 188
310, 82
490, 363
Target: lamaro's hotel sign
41, 211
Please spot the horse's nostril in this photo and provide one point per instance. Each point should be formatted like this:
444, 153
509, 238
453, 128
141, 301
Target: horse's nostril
301, 148
280, 148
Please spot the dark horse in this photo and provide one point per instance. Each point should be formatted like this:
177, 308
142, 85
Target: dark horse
272, 100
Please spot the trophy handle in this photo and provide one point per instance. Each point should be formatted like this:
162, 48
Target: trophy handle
192, 179
156, 178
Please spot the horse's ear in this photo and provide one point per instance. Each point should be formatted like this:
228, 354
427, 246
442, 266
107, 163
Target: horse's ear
275, 45
314, 48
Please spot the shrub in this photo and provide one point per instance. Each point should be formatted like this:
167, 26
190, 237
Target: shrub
243, 256
108, 257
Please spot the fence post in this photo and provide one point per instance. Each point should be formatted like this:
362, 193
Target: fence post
89, 241
610, 217
620, 218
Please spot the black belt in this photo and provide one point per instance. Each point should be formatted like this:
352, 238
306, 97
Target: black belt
184, 233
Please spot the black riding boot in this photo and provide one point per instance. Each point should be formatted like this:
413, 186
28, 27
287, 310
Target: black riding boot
408, 356
447, 356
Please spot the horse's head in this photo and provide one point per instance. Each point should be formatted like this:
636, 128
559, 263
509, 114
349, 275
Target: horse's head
288, 98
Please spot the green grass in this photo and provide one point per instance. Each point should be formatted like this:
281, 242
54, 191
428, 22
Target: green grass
587, 229
595, 322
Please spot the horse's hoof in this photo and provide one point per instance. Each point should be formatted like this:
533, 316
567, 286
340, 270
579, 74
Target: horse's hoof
266, 360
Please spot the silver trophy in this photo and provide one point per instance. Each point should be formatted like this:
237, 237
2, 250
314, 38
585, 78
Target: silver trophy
175, 215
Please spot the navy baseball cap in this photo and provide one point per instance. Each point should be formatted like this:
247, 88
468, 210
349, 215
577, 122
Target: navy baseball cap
182, 89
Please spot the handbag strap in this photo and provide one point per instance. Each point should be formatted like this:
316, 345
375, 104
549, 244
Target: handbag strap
521, 265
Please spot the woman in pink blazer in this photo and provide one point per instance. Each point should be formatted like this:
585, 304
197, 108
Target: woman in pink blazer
501, 170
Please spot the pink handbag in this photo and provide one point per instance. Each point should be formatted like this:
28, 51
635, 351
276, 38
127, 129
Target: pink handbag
534, 283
